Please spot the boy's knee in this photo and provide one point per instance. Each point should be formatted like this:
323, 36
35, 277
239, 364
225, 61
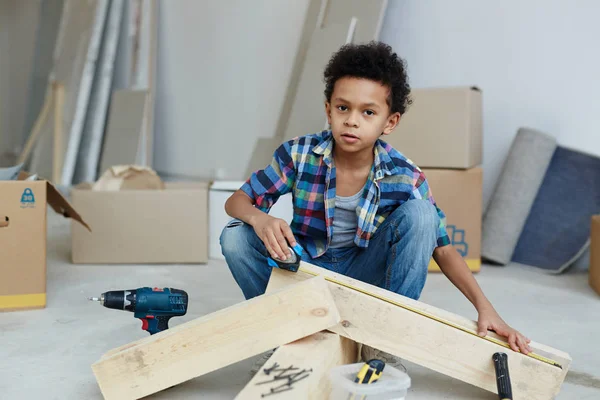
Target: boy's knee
420, 215
234, 237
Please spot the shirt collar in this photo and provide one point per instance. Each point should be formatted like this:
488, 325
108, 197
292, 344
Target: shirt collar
383, 162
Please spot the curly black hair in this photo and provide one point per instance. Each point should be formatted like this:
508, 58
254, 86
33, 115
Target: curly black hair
375, 61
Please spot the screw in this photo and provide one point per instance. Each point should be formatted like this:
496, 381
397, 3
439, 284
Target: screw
284, 371
273, 391
267, 371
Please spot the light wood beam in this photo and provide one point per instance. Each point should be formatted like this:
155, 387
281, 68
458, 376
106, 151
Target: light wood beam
216, 340
455, 352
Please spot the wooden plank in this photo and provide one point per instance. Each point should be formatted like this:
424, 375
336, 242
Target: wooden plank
541, 349
74, 58
301, 113
216, 340
262, 155
124, 128
148, 151
59, 105
430, 343
50, 12
317, 353
19, 21
313, 19
37, 127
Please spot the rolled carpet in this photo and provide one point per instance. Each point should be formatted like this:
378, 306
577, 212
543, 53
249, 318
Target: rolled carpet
515, 192
557, 230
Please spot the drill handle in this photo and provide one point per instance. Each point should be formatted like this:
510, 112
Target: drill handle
163, 322
155, 323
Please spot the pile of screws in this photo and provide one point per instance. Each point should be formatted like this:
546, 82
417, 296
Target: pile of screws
290, 375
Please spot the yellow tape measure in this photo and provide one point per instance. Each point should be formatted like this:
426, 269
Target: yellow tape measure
433, 317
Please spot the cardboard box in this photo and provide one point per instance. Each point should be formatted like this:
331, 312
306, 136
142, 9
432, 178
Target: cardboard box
219, 193
23, 206
142, 226
442, 128
594, 273
459, 194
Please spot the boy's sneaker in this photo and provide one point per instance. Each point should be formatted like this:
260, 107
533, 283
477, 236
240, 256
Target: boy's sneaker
368, 353
261, 361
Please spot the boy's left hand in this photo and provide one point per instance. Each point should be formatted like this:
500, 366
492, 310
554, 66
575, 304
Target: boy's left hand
490, 320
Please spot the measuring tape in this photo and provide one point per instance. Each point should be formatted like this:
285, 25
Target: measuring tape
433, 317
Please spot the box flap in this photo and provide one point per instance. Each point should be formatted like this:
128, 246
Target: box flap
62, 206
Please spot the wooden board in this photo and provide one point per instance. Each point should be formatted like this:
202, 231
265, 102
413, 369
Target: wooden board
315, 13
124, 128
59, 104
216, 340
307, 114
74, 61
150, 35
262, 155
304, 109
427, 342
317, 353
46, 29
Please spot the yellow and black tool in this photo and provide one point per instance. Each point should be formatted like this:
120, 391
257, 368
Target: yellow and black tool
370, 372
502, 376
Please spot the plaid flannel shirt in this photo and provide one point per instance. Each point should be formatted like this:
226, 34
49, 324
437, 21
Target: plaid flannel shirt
304, 166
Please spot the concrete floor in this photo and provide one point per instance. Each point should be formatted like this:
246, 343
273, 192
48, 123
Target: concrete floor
47, 353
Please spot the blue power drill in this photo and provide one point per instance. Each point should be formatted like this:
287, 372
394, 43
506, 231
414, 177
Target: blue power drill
154, 306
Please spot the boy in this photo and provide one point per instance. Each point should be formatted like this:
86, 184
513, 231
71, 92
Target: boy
361, 208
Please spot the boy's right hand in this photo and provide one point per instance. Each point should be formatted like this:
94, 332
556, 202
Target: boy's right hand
273, 232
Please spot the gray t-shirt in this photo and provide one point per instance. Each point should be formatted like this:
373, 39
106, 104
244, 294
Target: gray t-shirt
345, 220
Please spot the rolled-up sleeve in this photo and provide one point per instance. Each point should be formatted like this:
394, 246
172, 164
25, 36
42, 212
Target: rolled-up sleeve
421, 190
265, 186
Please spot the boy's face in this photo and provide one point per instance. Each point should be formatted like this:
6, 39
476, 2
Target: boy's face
359, 114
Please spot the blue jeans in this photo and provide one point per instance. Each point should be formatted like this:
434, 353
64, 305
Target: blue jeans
396, 259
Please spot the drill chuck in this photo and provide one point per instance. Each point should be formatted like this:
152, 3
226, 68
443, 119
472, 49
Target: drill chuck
119, 299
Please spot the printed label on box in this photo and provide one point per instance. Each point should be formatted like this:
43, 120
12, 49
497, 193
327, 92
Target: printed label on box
458, 239
27, 199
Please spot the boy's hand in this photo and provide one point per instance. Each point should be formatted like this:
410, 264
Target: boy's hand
273, 232
490, 320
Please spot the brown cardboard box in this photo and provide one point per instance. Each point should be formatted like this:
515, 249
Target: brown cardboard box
142, 226
595, 254
459, 194
442, 128
23, 206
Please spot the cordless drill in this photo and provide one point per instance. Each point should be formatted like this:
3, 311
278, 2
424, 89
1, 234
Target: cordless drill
154, 306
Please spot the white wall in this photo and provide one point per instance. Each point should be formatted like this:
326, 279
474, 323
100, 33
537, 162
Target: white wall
223, 69
537, 62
